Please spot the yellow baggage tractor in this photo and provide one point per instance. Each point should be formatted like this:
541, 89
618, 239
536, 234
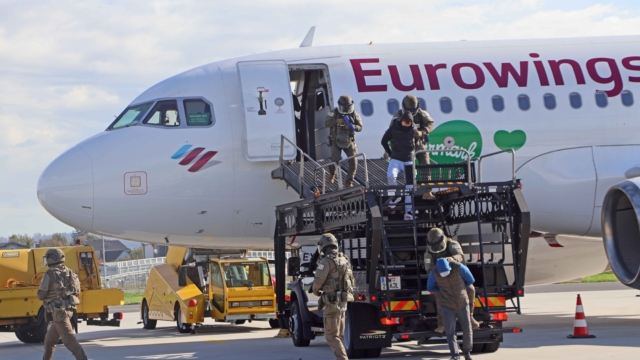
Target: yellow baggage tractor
20, 274
196, 284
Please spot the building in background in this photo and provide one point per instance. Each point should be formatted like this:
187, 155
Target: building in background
114, 250
12, 246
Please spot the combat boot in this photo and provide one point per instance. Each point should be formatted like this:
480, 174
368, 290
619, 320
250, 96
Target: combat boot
332, 178
428, 196
467, 356
348, 184
439, 329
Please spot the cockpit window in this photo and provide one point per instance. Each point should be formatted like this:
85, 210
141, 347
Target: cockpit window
131, 116
165, 113
198, 112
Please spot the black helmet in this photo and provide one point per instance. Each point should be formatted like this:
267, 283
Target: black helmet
410, 103
345, 105
436, 241
54, 257
327, 240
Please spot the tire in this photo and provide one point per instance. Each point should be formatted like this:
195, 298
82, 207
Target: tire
295, 326
274, 323
240, 322
27, 336
182, 327
478, 348
146, 322
372, 353
352, 353
492, 347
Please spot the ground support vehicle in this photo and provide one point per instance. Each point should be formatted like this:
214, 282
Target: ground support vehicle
196, 284
20, 274
388, 252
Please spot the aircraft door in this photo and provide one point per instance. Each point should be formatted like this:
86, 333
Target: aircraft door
268, 108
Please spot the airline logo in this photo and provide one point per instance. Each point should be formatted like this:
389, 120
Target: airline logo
188, 156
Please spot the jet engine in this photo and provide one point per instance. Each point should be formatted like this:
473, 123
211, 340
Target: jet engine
621, 230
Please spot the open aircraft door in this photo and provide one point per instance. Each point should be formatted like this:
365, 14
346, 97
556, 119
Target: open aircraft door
268, 108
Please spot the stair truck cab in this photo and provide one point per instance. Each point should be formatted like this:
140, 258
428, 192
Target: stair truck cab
20, 274
489, 219
196, 284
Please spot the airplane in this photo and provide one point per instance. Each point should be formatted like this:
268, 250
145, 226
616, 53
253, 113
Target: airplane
188, 162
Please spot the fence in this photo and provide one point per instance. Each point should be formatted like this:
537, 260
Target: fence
128, 275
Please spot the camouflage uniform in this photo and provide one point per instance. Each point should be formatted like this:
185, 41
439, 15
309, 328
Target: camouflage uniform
423, 122
342, 138
326, 285
454, 255
58, 288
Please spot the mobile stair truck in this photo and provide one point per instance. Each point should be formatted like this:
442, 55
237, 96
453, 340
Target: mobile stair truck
20, 274
489, 219
198, 283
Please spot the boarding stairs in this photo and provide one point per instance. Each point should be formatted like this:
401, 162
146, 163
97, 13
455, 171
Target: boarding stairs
393, 267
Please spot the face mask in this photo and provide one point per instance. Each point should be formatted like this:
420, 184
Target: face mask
445, 273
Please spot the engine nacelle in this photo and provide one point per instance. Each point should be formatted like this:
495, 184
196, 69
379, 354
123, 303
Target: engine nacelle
621, 230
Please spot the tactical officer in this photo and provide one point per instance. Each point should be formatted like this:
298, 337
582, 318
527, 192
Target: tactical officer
330, 285
59, 290
450, 282
424, 124
441, 246
344, 122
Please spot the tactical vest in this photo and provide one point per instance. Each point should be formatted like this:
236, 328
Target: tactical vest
63, 285
342, 135
431, 258
342, 279
453, 291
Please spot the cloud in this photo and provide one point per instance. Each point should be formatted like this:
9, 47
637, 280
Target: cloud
67, 67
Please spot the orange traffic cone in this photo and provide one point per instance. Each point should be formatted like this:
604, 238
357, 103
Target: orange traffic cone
580, 328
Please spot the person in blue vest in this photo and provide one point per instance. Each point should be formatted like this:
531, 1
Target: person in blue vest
451, 283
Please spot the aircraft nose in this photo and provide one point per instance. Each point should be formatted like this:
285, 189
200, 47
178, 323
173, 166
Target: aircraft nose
65, 189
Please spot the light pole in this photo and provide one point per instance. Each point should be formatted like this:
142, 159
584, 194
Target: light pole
104, 261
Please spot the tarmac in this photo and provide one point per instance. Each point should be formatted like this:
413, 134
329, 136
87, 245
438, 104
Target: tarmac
612, 311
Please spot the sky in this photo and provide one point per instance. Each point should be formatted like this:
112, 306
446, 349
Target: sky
68, 67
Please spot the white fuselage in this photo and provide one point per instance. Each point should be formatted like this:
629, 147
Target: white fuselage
566, 157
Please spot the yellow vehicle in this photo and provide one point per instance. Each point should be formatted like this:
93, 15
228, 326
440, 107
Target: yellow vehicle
20, 274
196, 284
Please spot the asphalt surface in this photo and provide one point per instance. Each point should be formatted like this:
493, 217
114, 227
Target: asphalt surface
613, 315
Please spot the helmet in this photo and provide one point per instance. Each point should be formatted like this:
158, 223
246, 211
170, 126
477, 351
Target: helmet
54, 256
345, 105
436, 241
410, 103
327, 240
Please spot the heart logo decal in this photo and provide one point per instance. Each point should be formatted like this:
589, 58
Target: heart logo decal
510, 140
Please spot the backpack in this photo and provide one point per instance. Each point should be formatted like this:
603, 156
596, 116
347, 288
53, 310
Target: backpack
346, 280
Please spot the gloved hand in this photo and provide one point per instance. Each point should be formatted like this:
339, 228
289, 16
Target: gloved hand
341, 122
386, 156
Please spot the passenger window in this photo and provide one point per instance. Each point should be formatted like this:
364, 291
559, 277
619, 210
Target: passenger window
164, 113
422, 103
523, 102
627, 98
198, 112
445, 105
575, 100
366, 107
549, 101
601, 99
497, 102
131, 116
472, 104
393, 106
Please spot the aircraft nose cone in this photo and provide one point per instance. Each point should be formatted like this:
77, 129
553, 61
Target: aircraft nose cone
65, 189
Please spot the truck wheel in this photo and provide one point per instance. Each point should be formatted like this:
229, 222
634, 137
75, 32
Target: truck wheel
27, 336
295, 327
352, 352
182, 328
42, 326
478, 348
372, 353
240, 322
492, 347
146, 322
274, 323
